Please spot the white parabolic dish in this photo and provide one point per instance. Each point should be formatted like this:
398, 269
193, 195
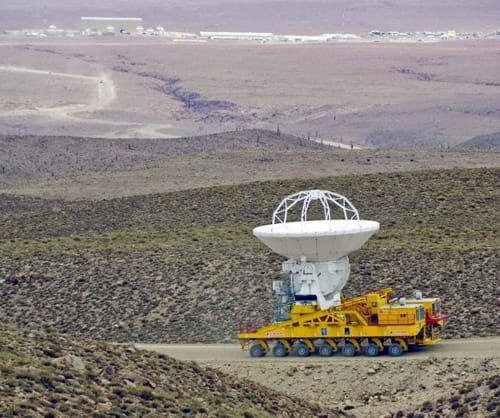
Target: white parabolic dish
317, 241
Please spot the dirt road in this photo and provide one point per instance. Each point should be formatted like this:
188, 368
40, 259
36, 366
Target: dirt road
105, 93
471, 348
102, 93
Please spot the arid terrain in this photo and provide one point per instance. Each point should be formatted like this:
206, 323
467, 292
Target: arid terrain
54, 375
180, 266
371, 94
134, 167
73, 168
27, 158
444, 386
453, 378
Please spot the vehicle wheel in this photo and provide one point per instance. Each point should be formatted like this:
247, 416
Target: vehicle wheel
348, 350
256, 350
279, 350
325, 350
303, 350
395, 350
372, 350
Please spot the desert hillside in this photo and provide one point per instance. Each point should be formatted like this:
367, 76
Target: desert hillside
33, 157
55, 375
184, 267
491, 141
139, 152
424, 387
74, 168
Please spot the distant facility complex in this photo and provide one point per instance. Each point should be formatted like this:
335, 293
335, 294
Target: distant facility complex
126, 25
134, 26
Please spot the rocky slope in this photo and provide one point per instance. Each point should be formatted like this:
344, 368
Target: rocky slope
31, 157
473, 399
491, 141
221, 168
413, 387
184, 267
52, 375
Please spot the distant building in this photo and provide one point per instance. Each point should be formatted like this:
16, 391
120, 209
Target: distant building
102, 24
52, 30
237, 36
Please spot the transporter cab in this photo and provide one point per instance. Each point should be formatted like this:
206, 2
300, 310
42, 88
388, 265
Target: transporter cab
312, 316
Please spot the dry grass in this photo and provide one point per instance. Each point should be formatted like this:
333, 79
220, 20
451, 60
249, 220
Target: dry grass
32, 157
38, 378
239, 167
183, 266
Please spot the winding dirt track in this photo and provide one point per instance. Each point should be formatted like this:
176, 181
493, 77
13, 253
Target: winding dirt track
103, 96
213, 353
106, 92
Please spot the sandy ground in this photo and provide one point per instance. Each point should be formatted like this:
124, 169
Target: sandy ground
102, 94
411, 95
105, 92
362, 386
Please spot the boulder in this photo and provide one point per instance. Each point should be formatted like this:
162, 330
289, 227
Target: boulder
69, 360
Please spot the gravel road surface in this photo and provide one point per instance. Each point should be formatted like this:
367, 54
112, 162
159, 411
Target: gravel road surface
459, 348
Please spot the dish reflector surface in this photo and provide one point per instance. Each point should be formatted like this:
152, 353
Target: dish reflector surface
322, 240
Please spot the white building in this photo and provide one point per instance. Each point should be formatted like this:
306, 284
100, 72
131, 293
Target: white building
100, 24
237, 36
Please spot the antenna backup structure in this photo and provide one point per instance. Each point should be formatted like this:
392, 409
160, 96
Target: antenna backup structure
312, 311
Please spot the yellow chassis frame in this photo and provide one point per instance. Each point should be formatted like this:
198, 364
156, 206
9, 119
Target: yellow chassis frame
337, 324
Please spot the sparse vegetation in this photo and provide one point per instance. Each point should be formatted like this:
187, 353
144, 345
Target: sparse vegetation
415, 387
478, 399
32, 157
180, 267
198, 169
116, 380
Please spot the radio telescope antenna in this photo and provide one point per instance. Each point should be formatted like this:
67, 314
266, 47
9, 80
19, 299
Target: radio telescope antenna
317, 250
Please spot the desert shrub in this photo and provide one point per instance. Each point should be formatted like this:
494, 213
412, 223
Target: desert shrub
427, 406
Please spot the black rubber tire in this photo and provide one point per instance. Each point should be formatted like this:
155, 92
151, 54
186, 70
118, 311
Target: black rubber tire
325, 350
348, 350
279, 350
372, 350
303, 350
395, 350
256, 350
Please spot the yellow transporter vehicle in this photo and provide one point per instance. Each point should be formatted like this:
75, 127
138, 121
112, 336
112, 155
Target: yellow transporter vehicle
312, 315
369, 324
